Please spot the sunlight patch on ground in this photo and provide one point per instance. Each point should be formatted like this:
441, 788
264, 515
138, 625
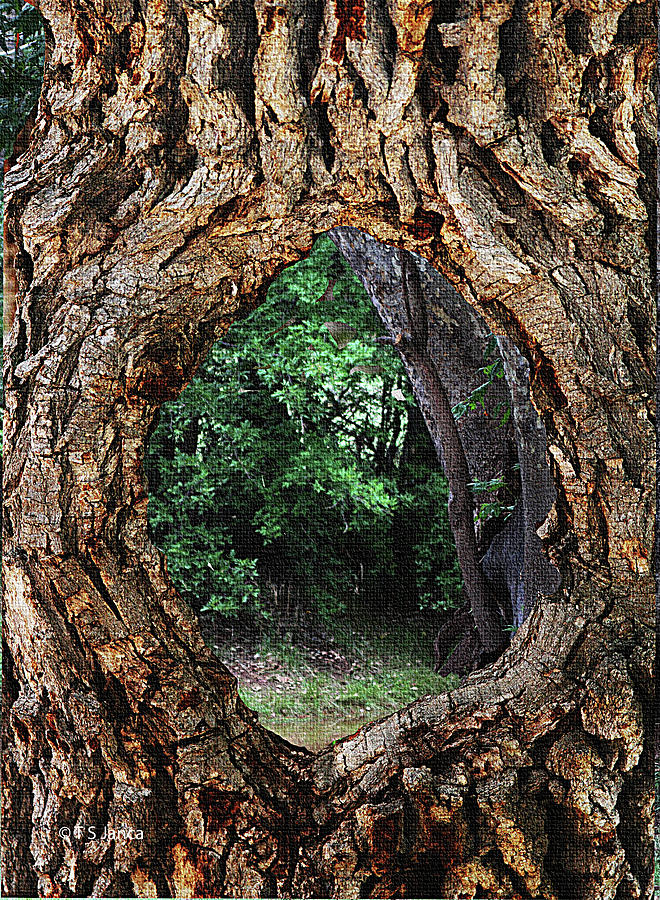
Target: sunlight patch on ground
312, 697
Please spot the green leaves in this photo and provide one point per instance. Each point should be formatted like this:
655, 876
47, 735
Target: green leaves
493, 508
281, 462
21, 67
492, 370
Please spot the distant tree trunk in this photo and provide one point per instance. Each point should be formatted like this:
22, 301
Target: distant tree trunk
438, 410
417, 457
183, 154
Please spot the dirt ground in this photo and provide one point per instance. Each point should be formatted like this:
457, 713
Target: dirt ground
307, 688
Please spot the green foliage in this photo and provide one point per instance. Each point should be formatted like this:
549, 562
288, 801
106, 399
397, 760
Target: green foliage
439, 578
281, 472
21, 66
494, 507
492, 371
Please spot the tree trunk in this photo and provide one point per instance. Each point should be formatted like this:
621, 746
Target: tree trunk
183, 154
438, 410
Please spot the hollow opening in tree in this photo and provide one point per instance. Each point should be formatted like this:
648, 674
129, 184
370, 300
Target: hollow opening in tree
302, 502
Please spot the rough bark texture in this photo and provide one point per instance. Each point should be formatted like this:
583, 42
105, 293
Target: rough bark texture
447, 362
515, 562
407, 322
184, 152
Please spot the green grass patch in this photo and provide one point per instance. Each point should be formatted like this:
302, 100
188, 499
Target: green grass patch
313, 697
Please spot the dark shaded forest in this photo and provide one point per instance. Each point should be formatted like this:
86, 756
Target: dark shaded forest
298, 458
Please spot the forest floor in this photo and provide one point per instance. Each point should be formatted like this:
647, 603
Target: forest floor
312, 687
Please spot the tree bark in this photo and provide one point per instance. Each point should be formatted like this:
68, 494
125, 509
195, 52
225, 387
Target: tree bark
438, 410
448, 351
183, 154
